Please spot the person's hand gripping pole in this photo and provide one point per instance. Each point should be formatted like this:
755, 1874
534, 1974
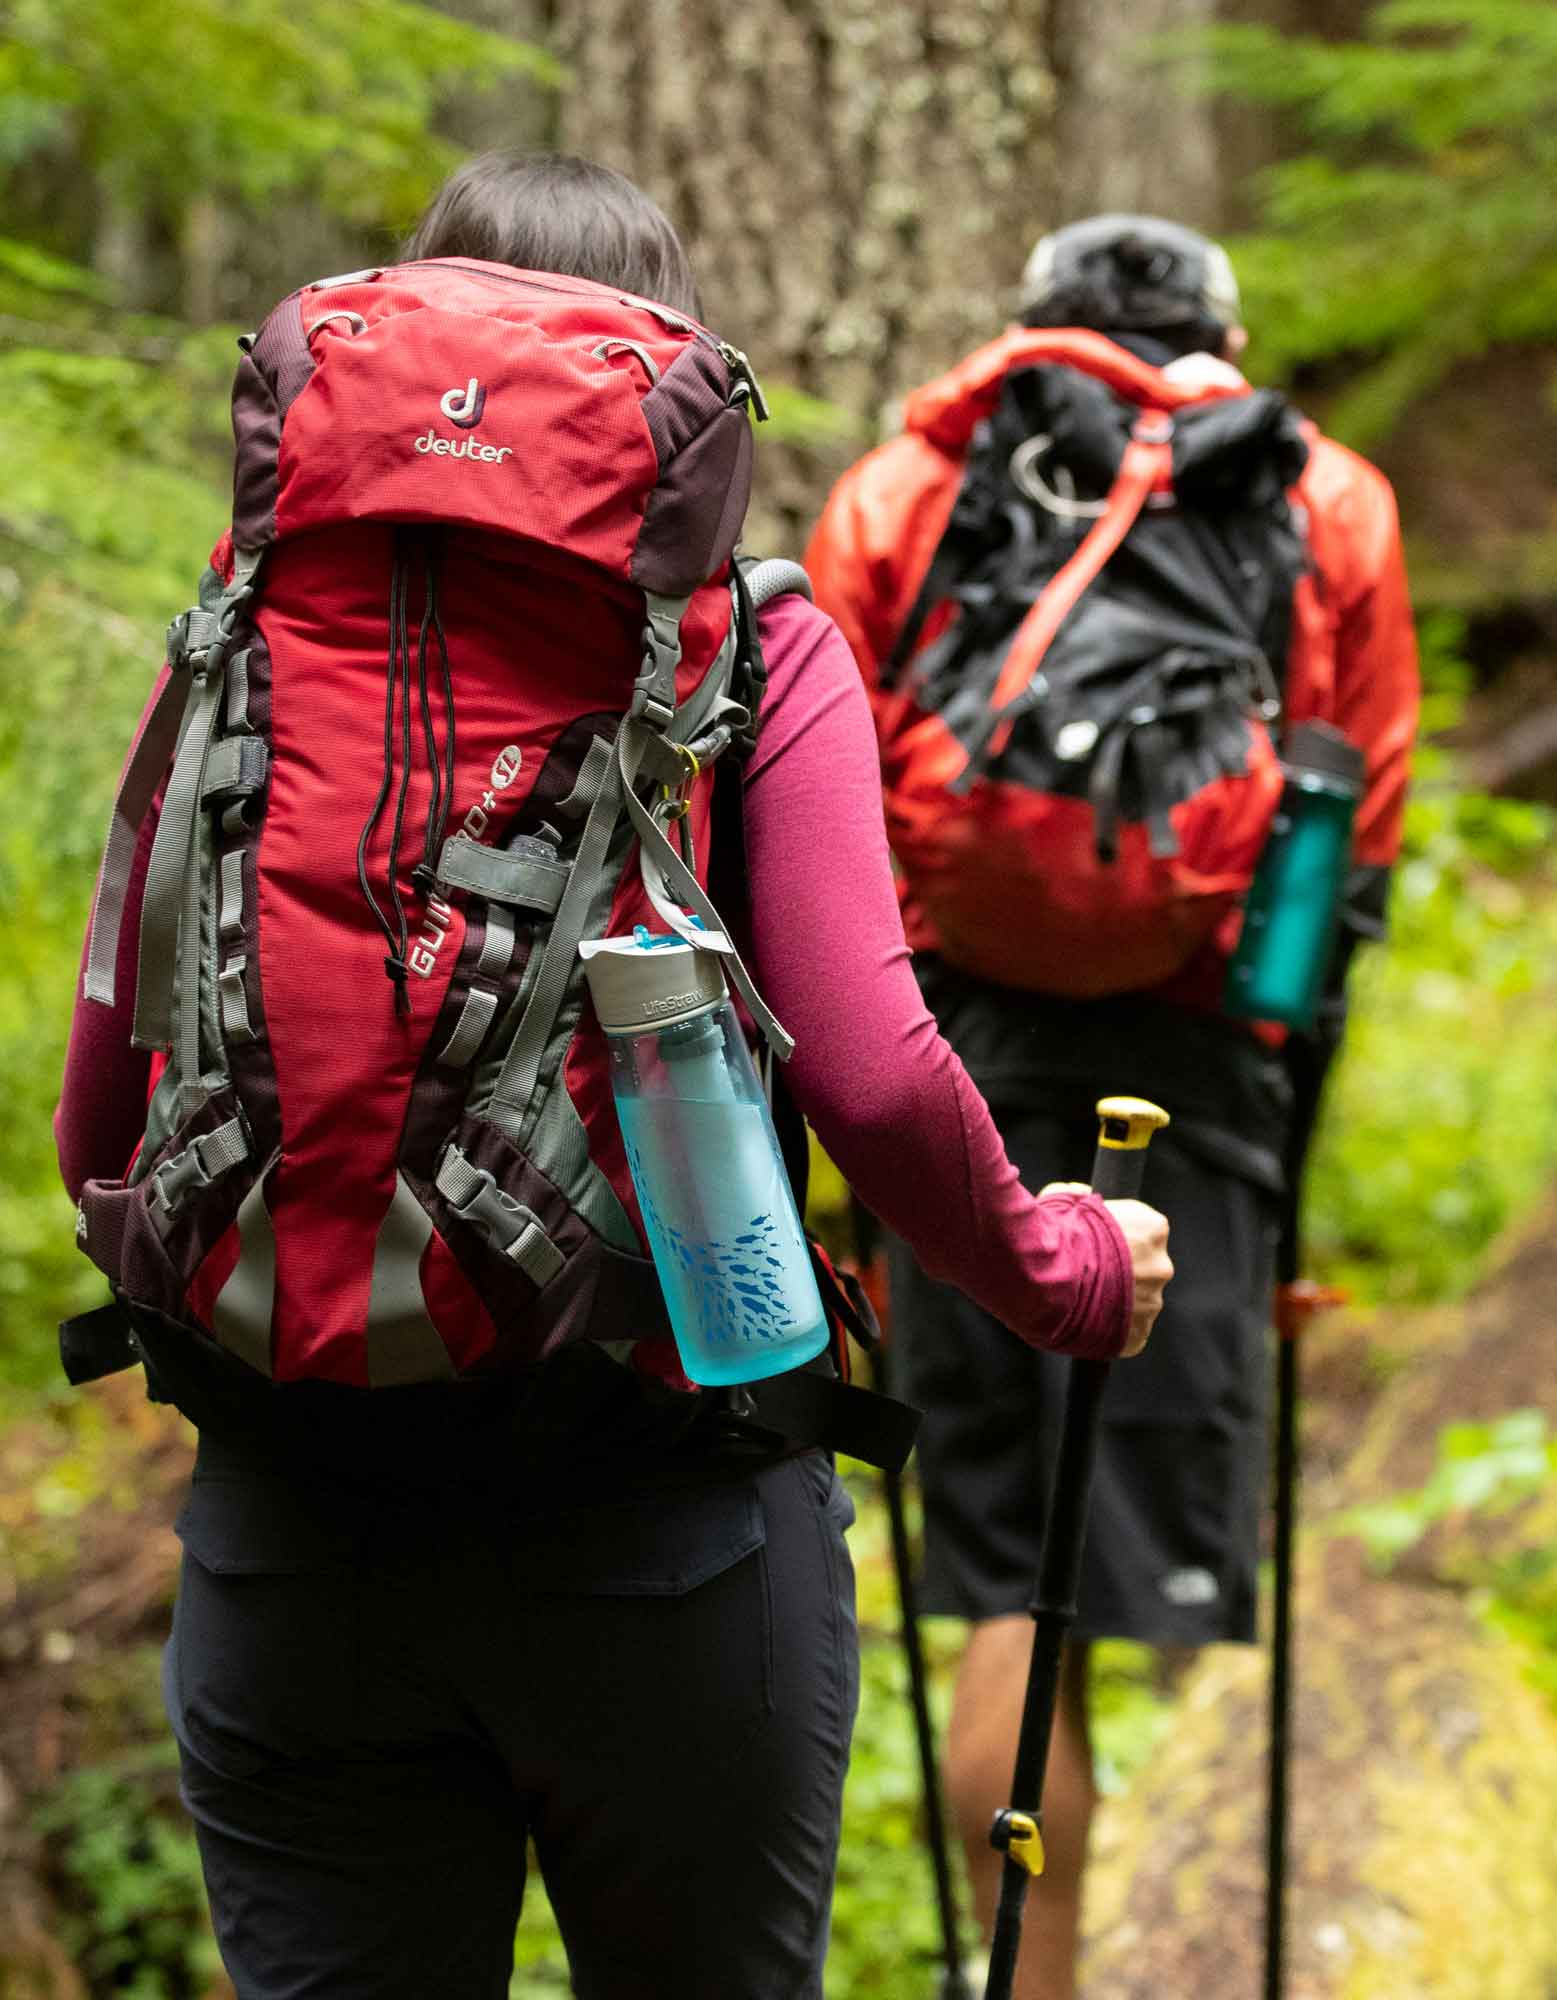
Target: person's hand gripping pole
1125, 1129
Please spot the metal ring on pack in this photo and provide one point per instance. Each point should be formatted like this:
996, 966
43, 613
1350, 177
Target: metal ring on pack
1025, 477
358, 323
607, 348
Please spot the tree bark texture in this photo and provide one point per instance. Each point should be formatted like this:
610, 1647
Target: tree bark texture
858, 183
1132, 134
1424, 1762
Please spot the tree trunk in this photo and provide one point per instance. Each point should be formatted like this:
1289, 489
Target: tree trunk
858, 184
1425, 1764
1132, 134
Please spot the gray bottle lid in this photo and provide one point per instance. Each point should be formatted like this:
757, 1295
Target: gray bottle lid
642, 982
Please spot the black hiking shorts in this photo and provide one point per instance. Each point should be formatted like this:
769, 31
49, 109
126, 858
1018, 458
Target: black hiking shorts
1173, 1537
381, 1708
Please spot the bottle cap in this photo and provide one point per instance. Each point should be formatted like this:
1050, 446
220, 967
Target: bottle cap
642, 981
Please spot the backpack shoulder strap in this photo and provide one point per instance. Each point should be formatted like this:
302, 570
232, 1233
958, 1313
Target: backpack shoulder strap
1148, 458
773, 576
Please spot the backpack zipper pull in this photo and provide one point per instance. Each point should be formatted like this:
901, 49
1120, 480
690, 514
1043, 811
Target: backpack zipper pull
743, 371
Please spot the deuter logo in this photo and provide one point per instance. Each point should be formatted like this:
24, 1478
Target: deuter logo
506, 766
464, 406
442, 447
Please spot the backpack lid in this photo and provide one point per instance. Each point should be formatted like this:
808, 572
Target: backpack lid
948, 410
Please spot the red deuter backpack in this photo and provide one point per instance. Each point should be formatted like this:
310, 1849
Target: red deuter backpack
449, 704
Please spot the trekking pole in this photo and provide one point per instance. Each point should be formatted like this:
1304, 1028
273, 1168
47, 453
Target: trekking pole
1297, 1302
1125, 1128
954, 1983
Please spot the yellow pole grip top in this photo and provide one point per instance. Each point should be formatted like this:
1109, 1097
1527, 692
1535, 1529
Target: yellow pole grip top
1024, 1842
1126, 1124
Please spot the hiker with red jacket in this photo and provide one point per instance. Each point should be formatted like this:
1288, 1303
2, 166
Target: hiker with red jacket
1089, 586
467, 1563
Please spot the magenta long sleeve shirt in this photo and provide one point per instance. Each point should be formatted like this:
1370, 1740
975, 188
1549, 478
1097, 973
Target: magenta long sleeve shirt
886, 1096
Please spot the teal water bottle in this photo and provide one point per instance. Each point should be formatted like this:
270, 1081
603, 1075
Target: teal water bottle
1294, 903
717, 1206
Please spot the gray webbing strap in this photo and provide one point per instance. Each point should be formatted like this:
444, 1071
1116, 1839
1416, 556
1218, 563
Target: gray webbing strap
673, 889
654, 691
165, 873
235, 769
195, 971
525, 880
470, 1030
202, 1161
238, 692
199, 639
137, 788
234, 1002
507, 1224
497, 945
231, 922
599, 782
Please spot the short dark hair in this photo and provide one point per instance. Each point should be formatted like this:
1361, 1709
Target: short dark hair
556, 212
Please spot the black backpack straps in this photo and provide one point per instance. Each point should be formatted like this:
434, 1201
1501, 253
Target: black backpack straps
95, 1344
946, 568
819, 1410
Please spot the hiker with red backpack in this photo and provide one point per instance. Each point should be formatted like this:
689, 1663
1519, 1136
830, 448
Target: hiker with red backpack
473, 683
1099, 591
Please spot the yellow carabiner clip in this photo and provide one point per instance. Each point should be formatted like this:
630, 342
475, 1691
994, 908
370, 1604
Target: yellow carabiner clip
676, 796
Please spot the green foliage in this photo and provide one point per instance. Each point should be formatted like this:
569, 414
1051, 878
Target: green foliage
1484, 1469
111, 436
808, 422
129, 1878
1523, 1605
1441, 1126
1419, 229
248, 100
1481, 1469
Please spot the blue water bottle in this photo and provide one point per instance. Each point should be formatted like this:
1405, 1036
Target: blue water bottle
1294, 903
717, 1206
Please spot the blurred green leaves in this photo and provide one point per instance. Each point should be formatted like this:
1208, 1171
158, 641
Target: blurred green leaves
1481, 1469
1441, 1127
248, 100
1421, 225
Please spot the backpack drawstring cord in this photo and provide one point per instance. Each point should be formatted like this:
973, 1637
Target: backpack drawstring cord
397, 682
426, 874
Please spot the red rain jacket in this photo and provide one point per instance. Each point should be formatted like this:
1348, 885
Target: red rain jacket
1353, 658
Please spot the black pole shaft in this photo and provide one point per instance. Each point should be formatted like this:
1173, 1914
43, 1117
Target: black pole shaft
954, 1982
1281, 1668
1116, 1174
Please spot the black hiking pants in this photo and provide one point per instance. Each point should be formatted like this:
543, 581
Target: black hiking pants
379, 1707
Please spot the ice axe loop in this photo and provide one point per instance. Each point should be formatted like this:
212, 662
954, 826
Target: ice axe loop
1125, 1129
